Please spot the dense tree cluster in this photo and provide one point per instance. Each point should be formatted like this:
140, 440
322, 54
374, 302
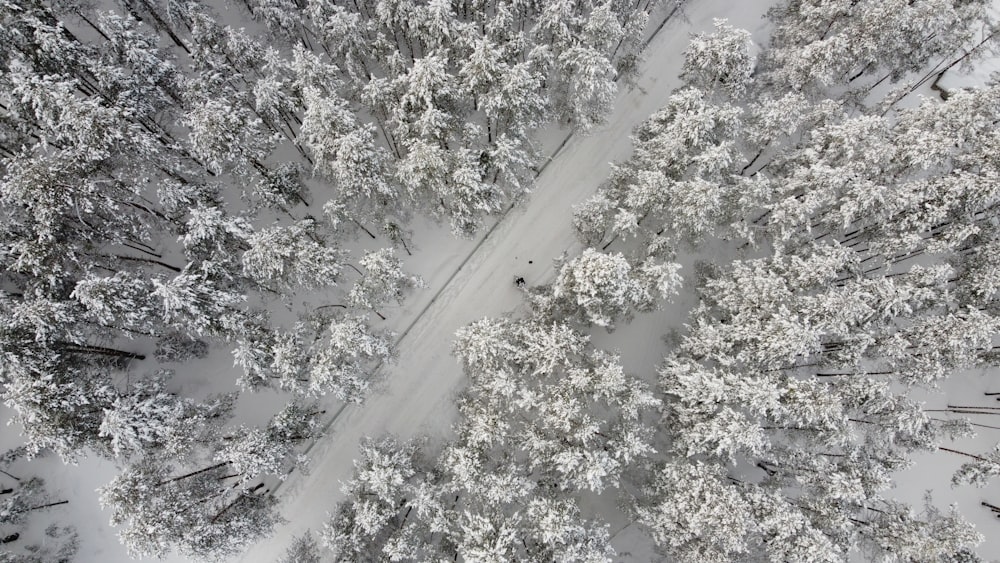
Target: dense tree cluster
546, 415
864, 235
168, 182
166, 179
874, 226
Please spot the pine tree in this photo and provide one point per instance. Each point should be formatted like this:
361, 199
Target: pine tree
149, 418
720, 61
384, 281
197, 513
303, 549
822, 44
603, 288
288, 257
548, 388
341, 363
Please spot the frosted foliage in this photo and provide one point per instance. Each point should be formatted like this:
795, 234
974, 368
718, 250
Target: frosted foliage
280, 188
271, 358
227, 136
120, 300
196, 513
787, 533
561, 528
452, 180
695, 514
147, 417
662, 280
384, 281
600, 286
467, 505
720, 60
386, 469
980, 471
192, 301
58, 406
340, 365
687, 124
209, 229
373, 498
591, 94
344, 150
897, 533
725, 434
291, 257
303, 549
554, 396
820, 44
590, 219
604, 288
678, 185
252, 452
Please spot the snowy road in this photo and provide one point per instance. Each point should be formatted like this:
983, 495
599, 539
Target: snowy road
418, 393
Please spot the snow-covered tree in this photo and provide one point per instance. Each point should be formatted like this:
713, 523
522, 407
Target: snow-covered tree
342, 362
548, 388
271, 357
57, 402
896, 532
695, 515
123, 301
194, 302
212, 233
346, 151
722, 60
227, 135
291, 256
587, 78
384, 281
303, 549
382, 485
678, 184
602, 288
197, 513
980, 470
826, 44
149, 418
401, 505
253, 452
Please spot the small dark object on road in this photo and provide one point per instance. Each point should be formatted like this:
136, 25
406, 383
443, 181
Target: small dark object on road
519, 281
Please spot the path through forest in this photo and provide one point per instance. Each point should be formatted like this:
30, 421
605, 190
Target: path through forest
418, 394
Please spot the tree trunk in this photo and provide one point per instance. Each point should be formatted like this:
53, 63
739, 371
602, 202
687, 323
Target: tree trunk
146, 260
49, 505
962, 453
193, 473
100, 350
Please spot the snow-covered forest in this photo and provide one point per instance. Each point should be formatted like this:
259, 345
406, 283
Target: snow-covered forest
499, 280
